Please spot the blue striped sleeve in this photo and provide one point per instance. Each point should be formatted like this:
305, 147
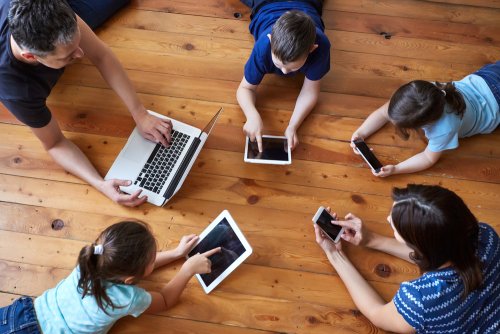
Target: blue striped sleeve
408, 301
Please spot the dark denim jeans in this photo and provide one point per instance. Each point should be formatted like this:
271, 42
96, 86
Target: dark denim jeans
256, 4
95, 12
491, 74
19, 318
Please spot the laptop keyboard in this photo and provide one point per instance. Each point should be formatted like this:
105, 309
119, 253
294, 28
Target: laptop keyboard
161, 162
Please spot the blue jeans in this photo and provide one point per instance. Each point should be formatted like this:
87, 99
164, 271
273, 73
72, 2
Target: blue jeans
257, 4
491, 74
95, 12
19, 318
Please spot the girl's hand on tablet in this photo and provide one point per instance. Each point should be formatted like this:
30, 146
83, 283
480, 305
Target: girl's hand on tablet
200, 263
186, 244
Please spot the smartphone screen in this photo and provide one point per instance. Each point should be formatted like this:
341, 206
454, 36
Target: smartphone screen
272, 149
368, 155
325, 223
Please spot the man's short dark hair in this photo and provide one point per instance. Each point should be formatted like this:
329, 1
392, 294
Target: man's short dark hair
38, 26
293, 36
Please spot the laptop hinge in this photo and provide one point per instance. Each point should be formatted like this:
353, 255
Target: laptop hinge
180, 171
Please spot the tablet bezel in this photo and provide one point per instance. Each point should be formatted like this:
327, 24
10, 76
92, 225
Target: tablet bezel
248, 250
264, 161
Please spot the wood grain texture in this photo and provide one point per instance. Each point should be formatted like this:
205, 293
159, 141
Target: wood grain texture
186, 59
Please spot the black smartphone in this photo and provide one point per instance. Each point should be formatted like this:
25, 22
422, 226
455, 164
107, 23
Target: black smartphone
368, 155
324, 220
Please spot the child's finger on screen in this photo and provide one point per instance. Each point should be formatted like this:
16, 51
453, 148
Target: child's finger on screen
212, 251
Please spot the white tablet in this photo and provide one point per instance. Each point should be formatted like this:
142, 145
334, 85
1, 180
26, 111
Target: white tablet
274, 151
222, 232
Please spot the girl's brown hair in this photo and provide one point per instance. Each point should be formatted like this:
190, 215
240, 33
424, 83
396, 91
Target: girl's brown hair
420, 103
440, 228
128, 248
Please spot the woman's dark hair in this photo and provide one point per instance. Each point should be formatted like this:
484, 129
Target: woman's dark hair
292, 36
38, 25
128, 248
420, 103
440, 228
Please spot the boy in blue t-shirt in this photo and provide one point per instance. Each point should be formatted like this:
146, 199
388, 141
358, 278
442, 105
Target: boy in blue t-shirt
289, 38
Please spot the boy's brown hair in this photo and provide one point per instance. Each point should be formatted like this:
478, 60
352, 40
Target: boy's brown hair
292, 36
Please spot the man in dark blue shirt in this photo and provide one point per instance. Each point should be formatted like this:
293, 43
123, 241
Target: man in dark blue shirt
38, 38
289, 38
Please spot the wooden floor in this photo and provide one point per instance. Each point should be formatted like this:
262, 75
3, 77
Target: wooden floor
186, 60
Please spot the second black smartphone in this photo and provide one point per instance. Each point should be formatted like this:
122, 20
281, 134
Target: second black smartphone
368, 155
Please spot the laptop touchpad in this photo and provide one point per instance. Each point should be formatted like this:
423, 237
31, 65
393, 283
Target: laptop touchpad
138, 148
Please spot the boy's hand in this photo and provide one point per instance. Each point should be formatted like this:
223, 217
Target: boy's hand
200, 263
385, 171
186, 244
253, 130
291, 136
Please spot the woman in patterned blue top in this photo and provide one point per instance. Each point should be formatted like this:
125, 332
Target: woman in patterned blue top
459, 258
444, 111
102, 288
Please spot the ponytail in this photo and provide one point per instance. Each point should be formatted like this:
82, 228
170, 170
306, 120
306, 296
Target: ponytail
90, 282
453, 97
122, 250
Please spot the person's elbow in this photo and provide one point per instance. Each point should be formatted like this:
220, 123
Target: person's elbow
431, 157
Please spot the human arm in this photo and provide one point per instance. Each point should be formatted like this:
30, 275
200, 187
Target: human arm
307, 99
356, 234
247, 96
416, 163
185, 245
368, 301
150, 127
170, 293
372, 123
71, 158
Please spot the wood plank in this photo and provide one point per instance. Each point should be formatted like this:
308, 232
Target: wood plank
395, 26
7, 298
334, 20
279, 314
275, 246
419, 10
426, 10
153, 323
260, 193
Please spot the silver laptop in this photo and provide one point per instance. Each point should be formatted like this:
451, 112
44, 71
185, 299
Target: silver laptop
160, 171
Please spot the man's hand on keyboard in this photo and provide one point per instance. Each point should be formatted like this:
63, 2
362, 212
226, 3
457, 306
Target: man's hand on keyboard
155, 129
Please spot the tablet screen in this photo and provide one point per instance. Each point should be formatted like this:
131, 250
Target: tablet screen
272, 149
222, 235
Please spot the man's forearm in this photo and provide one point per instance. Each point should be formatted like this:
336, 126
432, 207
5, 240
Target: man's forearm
116, 77
72, 159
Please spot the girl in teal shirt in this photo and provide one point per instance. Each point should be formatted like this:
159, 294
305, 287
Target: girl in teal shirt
102, 288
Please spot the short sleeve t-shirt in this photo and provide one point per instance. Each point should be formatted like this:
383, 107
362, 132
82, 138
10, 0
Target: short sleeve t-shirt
433, 303
24, 88
260, 61
62, 309
481, 115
